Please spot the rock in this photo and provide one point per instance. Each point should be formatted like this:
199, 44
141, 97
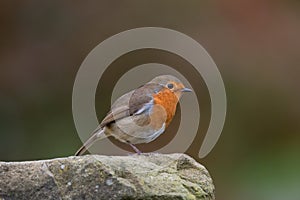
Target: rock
145, 176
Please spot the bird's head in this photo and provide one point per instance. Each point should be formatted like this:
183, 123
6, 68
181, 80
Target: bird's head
172, 83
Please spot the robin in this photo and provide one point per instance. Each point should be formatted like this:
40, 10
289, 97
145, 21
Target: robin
140, 116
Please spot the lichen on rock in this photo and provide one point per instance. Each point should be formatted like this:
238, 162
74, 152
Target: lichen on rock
145, 176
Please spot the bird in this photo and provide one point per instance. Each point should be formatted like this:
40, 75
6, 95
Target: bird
141, 115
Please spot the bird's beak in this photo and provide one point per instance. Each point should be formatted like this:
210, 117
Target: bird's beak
186, 90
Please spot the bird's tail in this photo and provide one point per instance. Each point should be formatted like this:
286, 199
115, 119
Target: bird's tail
98, 135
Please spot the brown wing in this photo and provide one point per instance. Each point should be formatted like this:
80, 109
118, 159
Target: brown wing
133, 103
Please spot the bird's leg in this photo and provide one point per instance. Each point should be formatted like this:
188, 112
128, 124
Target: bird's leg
135, 149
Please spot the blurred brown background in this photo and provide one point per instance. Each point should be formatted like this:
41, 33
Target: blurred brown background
254, 43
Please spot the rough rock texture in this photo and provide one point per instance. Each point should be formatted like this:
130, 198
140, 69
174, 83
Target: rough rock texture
146, 176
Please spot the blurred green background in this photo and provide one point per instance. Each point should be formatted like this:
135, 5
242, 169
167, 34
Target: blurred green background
255, 44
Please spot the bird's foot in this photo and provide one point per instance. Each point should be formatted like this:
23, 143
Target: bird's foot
135, 149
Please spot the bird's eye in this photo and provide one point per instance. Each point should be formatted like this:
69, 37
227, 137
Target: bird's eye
170, 85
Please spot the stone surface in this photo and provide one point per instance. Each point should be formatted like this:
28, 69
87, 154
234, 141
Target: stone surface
146, 176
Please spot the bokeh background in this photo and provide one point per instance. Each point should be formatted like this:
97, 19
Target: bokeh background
255, 44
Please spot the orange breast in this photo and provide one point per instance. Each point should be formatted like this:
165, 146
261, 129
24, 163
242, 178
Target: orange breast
168, 100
